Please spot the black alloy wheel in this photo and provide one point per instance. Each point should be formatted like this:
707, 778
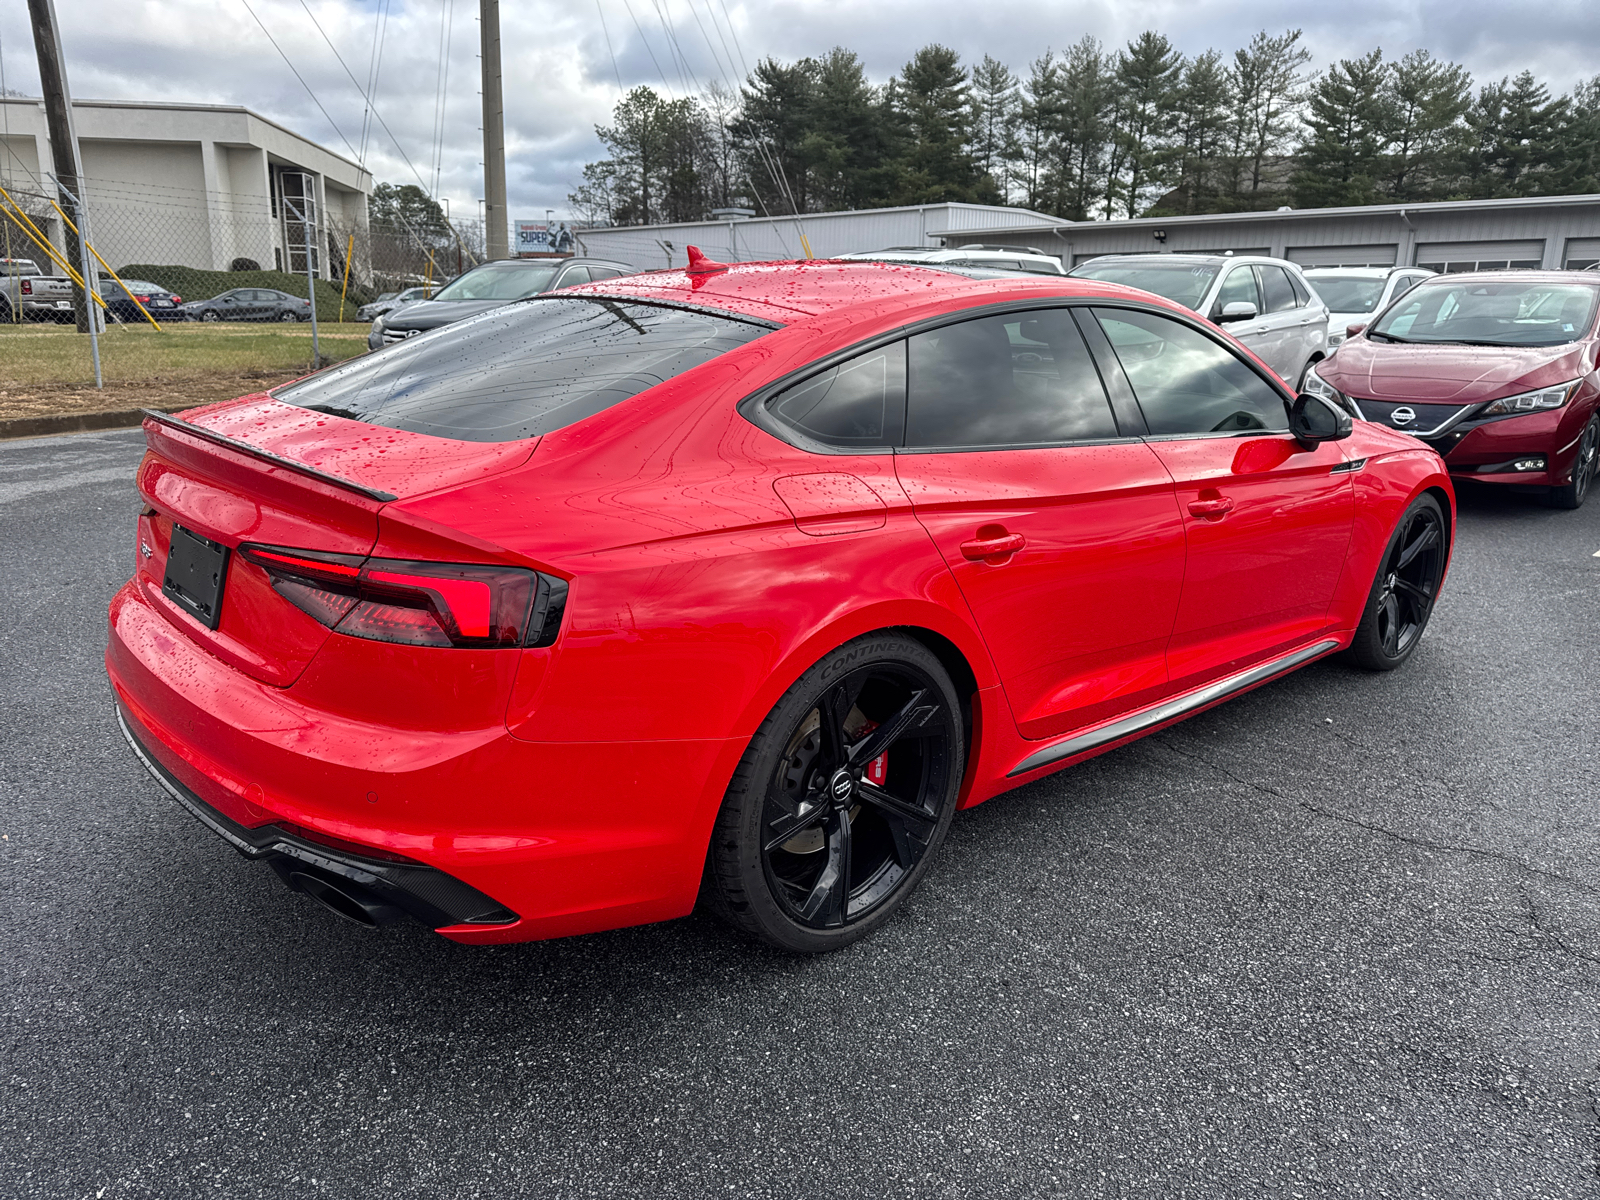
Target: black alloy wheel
1403, 595
1584, 466
846, 791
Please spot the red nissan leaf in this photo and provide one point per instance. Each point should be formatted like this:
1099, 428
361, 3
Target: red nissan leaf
734, 582
1495, 370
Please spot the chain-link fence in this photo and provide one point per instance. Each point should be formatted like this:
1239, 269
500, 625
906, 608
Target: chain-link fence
196, 297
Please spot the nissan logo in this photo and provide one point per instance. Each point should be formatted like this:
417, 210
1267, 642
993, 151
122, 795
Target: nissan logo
1403, 415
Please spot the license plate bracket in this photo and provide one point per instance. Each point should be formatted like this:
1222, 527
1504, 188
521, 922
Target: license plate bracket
197, 568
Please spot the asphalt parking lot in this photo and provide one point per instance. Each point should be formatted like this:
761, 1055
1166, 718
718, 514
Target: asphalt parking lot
1339, 937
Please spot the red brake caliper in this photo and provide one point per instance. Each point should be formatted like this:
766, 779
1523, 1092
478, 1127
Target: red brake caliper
878, 769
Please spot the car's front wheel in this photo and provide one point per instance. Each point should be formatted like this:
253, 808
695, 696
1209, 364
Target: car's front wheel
211, 314
1584, 467
287, 316
843, 796
1403, 594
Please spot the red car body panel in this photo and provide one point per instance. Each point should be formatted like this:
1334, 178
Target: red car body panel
709, 565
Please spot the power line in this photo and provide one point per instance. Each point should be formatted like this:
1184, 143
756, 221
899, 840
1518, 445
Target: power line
647, 49
616, 69
300, 77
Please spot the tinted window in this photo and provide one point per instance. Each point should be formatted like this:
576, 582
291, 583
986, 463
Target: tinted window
500, 281
522, 370
1275, 289
1185, 283
1301, 296
574, 275
1239, 286
1405, 283
1018, 379
859, 403
597, 273
1187, 383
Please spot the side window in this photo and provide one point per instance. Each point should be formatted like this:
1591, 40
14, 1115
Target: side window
1302, 297
1405, 283
1014, 380
598, 273
1275, 289
575, 275
1239, 286
1185, 382
860, 403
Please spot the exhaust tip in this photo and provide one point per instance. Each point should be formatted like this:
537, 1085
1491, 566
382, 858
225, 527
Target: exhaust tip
352, 903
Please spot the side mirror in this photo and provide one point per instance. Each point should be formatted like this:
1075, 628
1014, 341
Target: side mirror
1237, 310
1314, 420
1352, 330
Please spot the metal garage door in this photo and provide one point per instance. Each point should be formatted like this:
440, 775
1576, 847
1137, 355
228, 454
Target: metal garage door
1342, 256
1581, 253
1480, 256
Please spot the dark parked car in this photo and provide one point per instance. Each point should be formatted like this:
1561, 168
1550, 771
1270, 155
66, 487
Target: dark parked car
119, 298
390, 301
249, 304
489, 286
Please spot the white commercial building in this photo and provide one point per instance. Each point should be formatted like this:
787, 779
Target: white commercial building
193, 185
739, 238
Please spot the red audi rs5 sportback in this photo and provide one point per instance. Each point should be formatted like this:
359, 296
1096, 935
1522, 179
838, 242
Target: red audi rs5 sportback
1494, 370
734, 582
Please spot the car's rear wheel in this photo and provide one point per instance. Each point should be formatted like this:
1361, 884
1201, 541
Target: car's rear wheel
286, 315
1403, 594
1584, 467
843, 796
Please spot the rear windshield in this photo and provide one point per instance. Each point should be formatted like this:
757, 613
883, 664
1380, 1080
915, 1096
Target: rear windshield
499, 281
1348, 293
1184, 283
523, 370
1480, 313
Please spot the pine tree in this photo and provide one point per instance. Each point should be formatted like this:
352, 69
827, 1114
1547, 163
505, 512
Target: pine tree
996, 102
1037, 118
775, 115
1427, 99
932, 98
1512, 133
1202, 133
848, 148
1268, 86
1148, 77
1342, 155
1083, 134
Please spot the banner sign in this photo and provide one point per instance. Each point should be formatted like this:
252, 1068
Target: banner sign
539, 238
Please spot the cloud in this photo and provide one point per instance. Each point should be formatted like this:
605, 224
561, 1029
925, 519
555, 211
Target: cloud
563, 61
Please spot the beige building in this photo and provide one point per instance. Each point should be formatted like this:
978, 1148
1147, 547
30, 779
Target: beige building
192, 185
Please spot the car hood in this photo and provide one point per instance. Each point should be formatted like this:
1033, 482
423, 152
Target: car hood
1450, 374
430, 314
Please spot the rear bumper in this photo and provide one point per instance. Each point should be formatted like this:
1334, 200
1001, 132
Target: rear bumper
571, 837
375, 889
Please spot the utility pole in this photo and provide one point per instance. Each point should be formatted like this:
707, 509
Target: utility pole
497, 222
63, 138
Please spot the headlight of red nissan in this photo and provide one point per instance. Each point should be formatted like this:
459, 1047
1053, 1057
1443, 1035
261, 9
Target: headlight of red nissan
1526, 402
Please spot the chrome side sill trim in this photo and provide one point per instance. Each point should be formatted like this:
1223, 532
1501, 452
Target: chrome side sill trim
277, 460
1177, 707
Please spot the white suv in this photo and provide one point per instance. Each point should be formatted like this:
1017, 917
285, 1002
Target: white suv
1355, 295
1263, 302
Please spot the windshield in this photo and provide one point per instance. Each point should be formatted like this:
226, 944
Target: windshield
500, 281
523, 370
1482, 313
1348, 293
1185, 283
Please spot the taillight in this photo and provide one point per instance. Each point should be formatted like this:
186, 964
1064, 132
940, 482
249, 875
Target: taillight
142, 299
27, 287
417, 603
175, 298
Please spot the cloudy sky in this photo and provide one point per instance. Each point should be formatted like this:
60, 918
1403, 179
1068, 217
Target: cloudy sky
565, 62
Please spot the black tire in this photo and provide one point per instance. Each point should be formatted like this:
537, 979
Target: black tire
809, 863
1403, 594
211, 314
1584, 467
287, 316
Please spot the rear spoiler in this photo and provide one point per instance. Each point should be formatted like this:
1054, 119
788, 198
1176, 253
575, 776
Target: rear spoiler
288, 464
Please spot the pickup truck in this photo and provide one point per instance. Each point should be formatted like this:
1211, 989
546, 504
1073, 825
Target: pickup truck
28, 291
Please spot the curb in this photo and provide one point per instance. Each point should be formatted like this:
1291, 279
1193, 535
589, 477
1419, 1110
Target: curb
124, 418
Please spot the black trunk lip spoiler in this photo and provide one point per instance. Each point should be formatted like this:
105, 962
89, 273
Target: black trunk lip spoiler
277, 460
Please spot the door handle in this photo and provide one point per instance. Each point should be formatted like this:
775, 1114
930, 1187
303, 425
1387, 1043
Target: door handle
993, 547
1213, 509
